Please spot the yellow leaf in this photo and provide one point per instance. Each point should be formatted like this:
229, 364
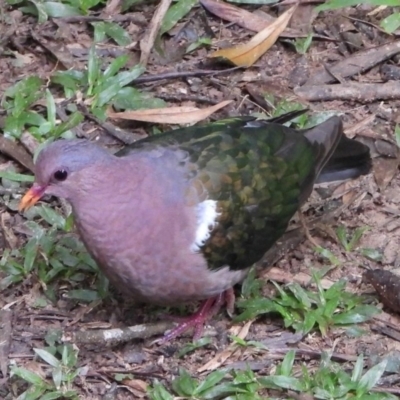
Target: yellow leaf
170, 115
245, 55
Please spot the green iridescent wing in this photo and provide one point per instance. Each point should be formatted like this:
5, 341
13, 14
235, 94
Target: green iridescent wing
258, 177
258, 172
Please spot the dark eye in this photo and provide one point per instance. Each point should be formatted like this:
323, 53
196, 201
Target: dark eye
60, 175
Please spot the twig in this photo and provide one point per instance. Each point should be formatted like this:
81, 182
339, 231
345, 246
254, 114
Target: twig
356, 63
198, 99
124, 136
29, 142
147, 44
303, 223
16, 152
182, 74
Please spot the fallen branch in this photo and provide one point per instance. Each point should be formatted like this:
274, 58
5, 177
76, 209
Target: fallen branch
113, 337
362, 92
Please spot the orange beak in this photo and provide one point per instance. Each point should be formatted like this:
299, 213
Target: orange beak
31, 197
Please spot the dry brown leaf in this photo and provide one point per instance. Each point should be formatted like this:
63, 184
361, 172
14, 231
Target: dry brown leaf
245, 19
221, 357
240, 16
281, 276
384, 170
136, 384
170, 115
245, 55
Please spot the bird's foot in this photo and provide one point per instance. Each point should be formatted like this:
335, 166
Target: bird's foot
208, 309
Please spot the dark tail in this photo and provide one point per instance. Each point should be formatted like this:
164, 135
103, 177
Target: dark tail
339, 157
350, 160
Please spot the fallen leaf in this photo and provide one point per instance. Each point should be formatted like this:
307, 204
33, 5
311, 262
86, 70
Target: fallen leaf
245, 19
170, 115
245, 55
136, 384
221, 357
239, 16
384, 170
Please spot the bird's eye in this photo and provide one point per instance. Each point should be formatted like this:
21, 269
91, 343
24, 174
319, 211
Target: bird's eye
60, 175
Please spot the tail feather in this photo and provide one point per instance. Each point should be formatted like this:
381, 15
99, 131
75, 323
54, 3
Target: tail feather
349, 160
339, 157
325, 137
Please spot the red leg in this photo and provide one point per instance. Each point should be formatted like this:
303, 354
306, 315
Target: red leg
209, 308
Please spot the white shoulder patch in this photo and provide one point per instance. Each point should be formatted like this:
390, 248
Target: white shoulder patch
206, 214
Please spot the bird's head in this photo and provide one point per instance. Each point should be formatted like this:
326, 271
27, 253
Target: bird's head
58, 169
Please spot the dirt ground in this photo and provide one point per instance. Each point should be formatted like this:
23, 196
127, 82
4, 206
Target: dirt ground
371, 201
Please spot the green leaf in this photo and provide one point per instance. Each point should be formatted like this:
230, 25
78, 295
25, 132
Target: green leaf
282, 382
27, 376
356, 237
115, 66
69, 80
112, 86
60, 10
372, 254
211, 381
51, 109
93, 70
204, 341
113, 30
334, 4
391, 23
12, 176
57, 394
99, 32
287, 363
41, 10
356, 315
32, 83
358, 369
85, 295
225, 389
73, 120
57, 375
199, 43
126, 77
300, 294
254, 1
85, 5
69, 356
158, 392
397, 134
371, 377
175, 13
117, 33
47, 357
30, 253
184, 385
51, 217
342, 236
309, 322
129, 98
302, 44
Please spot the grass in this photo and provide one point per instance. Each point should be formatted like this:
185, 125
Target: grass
56, 379
328, 380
